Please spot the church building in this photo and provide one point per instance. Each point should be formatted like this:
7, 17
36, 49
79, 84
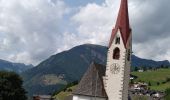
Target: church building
110, 82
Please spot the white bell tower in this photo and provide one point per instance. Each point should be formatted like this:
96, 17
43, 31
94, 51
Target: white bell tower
116, 80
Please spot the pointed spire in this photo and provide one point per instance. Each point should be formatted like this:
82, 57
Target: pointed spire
122, 23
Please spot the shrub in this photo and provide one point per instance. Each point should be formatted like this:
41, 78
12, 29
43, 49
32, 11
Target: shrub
167, 94
167, 79
149, 84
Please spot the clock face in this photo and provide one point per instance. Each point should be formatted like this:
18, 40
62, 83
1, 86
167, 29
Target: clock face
115, 68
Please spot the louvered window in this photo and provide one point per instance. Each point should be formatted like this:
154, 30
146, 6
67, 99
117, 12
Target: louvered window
117, 40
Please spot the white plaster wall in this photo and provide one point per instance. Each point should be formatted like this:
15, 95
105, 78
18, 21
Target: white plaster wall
80, 97
114, 86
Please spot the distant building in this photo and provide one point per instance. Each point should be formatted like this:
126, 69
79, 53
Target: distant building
42, 97
140, 86
141, 70
158, 95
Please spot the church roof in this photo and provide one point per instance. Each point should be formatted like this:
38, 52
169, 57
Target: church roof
91, 83
122, 23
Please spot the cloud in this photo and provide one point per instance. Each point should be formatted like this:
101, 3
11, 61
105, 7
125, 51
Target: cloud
93, 23
33, 30
30, 28
151, 32
149, 21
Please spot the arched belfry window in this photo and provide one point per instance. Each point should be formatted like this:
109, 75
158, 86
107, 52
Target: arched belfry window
117, 41
116, 53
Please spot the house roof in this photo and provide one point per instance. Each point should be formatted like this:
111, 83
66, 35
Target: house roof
91, 83
122, 23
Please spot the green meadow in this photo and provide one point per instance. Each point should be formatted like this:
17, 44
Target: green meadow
157, 79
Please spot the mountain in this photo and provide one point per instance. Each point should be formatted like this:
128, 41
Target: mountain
65, 67
62, 68
16, 67
137, 62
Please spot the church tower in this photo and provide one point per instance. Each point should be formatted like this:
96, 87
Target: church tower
116, 79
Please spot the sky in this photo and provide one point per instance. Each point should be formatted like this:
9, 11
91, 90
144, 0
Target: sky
33, 30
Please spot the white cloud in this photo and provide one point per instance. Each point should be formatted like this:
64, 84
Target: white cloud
21, 57
32, 30
96, 21
156, 49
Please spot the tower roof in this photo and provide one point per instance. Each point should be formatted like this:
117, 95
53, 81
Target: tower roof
91, 83
122, 23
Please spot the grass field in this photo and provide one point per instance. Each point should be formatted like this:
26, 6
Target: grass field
63, 94
156, 78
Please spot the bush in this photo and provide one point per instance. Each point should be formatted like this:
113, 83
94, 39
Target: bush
167, 79
167, 94
131, 82
69, 90
163, 82
149, 84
